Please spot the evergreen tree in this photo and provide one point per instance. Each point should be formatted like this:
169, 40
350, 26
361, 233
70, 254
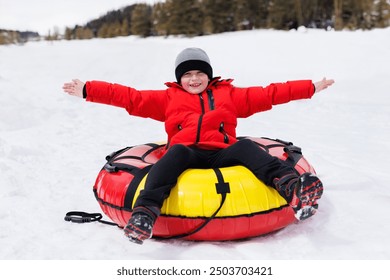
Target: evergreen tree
3, 38
125, 27
381, 13
358, 14
243, 16
338, 14
141, 20
298, 12
114, 29
79, 33
219, 14
103, 31
318, 13
208, 25
82, 33
9, 37
260, 8
68, 34
282, 14
184, 18
250, 14
160, 16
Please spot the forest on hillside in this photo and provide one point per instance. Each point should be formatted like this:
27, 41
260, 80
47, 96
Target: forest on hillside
204, 17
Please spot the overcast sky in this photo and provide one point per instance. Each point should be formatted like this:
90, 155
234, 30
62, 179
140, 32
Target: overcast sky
44, 15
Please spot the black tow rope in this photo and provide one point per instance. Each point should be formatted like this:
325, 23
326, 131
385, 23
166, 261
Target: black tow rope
83, 217
222, 188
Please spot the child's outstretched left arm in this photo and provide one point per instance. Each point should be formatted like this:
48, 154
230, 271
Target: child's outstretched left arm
252, 100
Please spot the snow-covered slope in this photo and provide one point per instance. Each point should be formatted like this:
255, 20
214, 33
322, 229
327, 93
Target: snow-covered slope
52, 145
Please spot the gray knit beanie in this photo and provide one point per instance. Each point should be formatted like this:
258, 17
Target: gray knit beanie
192, 59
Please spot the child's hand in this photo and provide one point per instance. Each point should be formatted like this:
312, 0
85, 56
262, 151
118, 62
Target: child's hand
74, 88
323, 84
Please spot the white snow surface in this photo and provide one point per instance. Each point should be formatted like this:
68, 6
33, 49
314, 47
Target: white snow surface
53, 145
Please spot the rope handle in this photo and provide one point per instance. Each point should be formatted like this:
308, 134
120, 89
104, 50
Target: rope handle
84, 217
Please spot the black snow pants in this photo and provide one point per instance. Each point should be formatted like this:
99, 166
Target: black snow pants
164, 174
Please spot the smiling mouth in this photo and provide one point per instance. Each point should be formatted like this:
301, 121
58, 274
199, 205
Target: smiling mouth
195, 85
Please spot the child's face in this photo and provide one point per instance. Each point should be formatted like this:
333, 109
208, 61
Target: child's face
194, 81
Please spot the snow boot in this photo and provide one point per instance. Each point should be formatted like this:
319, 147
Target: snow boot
140, 225
301, 193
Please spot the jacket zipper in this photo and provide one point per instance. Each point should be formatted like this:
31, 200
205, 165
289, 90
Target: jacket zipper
222, 130
200, 119
212, 107
211, 99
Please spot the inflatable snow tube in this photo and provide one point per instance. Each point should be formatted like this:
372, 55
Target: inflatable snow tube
206, 204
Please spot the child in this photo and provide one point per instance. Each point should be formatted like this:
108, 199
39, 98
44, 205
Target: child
200, 115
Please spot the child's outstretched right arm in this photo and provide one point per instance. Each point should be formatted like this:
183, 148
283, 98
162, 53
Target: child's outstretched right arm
75, 88
142, 103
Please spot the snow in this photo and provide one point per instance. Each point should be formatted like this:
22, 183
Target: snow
52, 145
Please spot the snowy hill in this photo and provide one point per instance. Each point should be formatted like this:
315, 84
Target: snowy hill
53, 145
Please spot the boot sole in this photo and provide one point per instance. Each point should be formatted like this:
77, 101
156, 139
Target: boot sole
306, 204
136, 235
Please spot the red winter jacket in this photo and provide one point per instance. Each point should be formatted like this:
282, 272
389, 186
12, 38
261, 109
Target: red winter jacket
207, 120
